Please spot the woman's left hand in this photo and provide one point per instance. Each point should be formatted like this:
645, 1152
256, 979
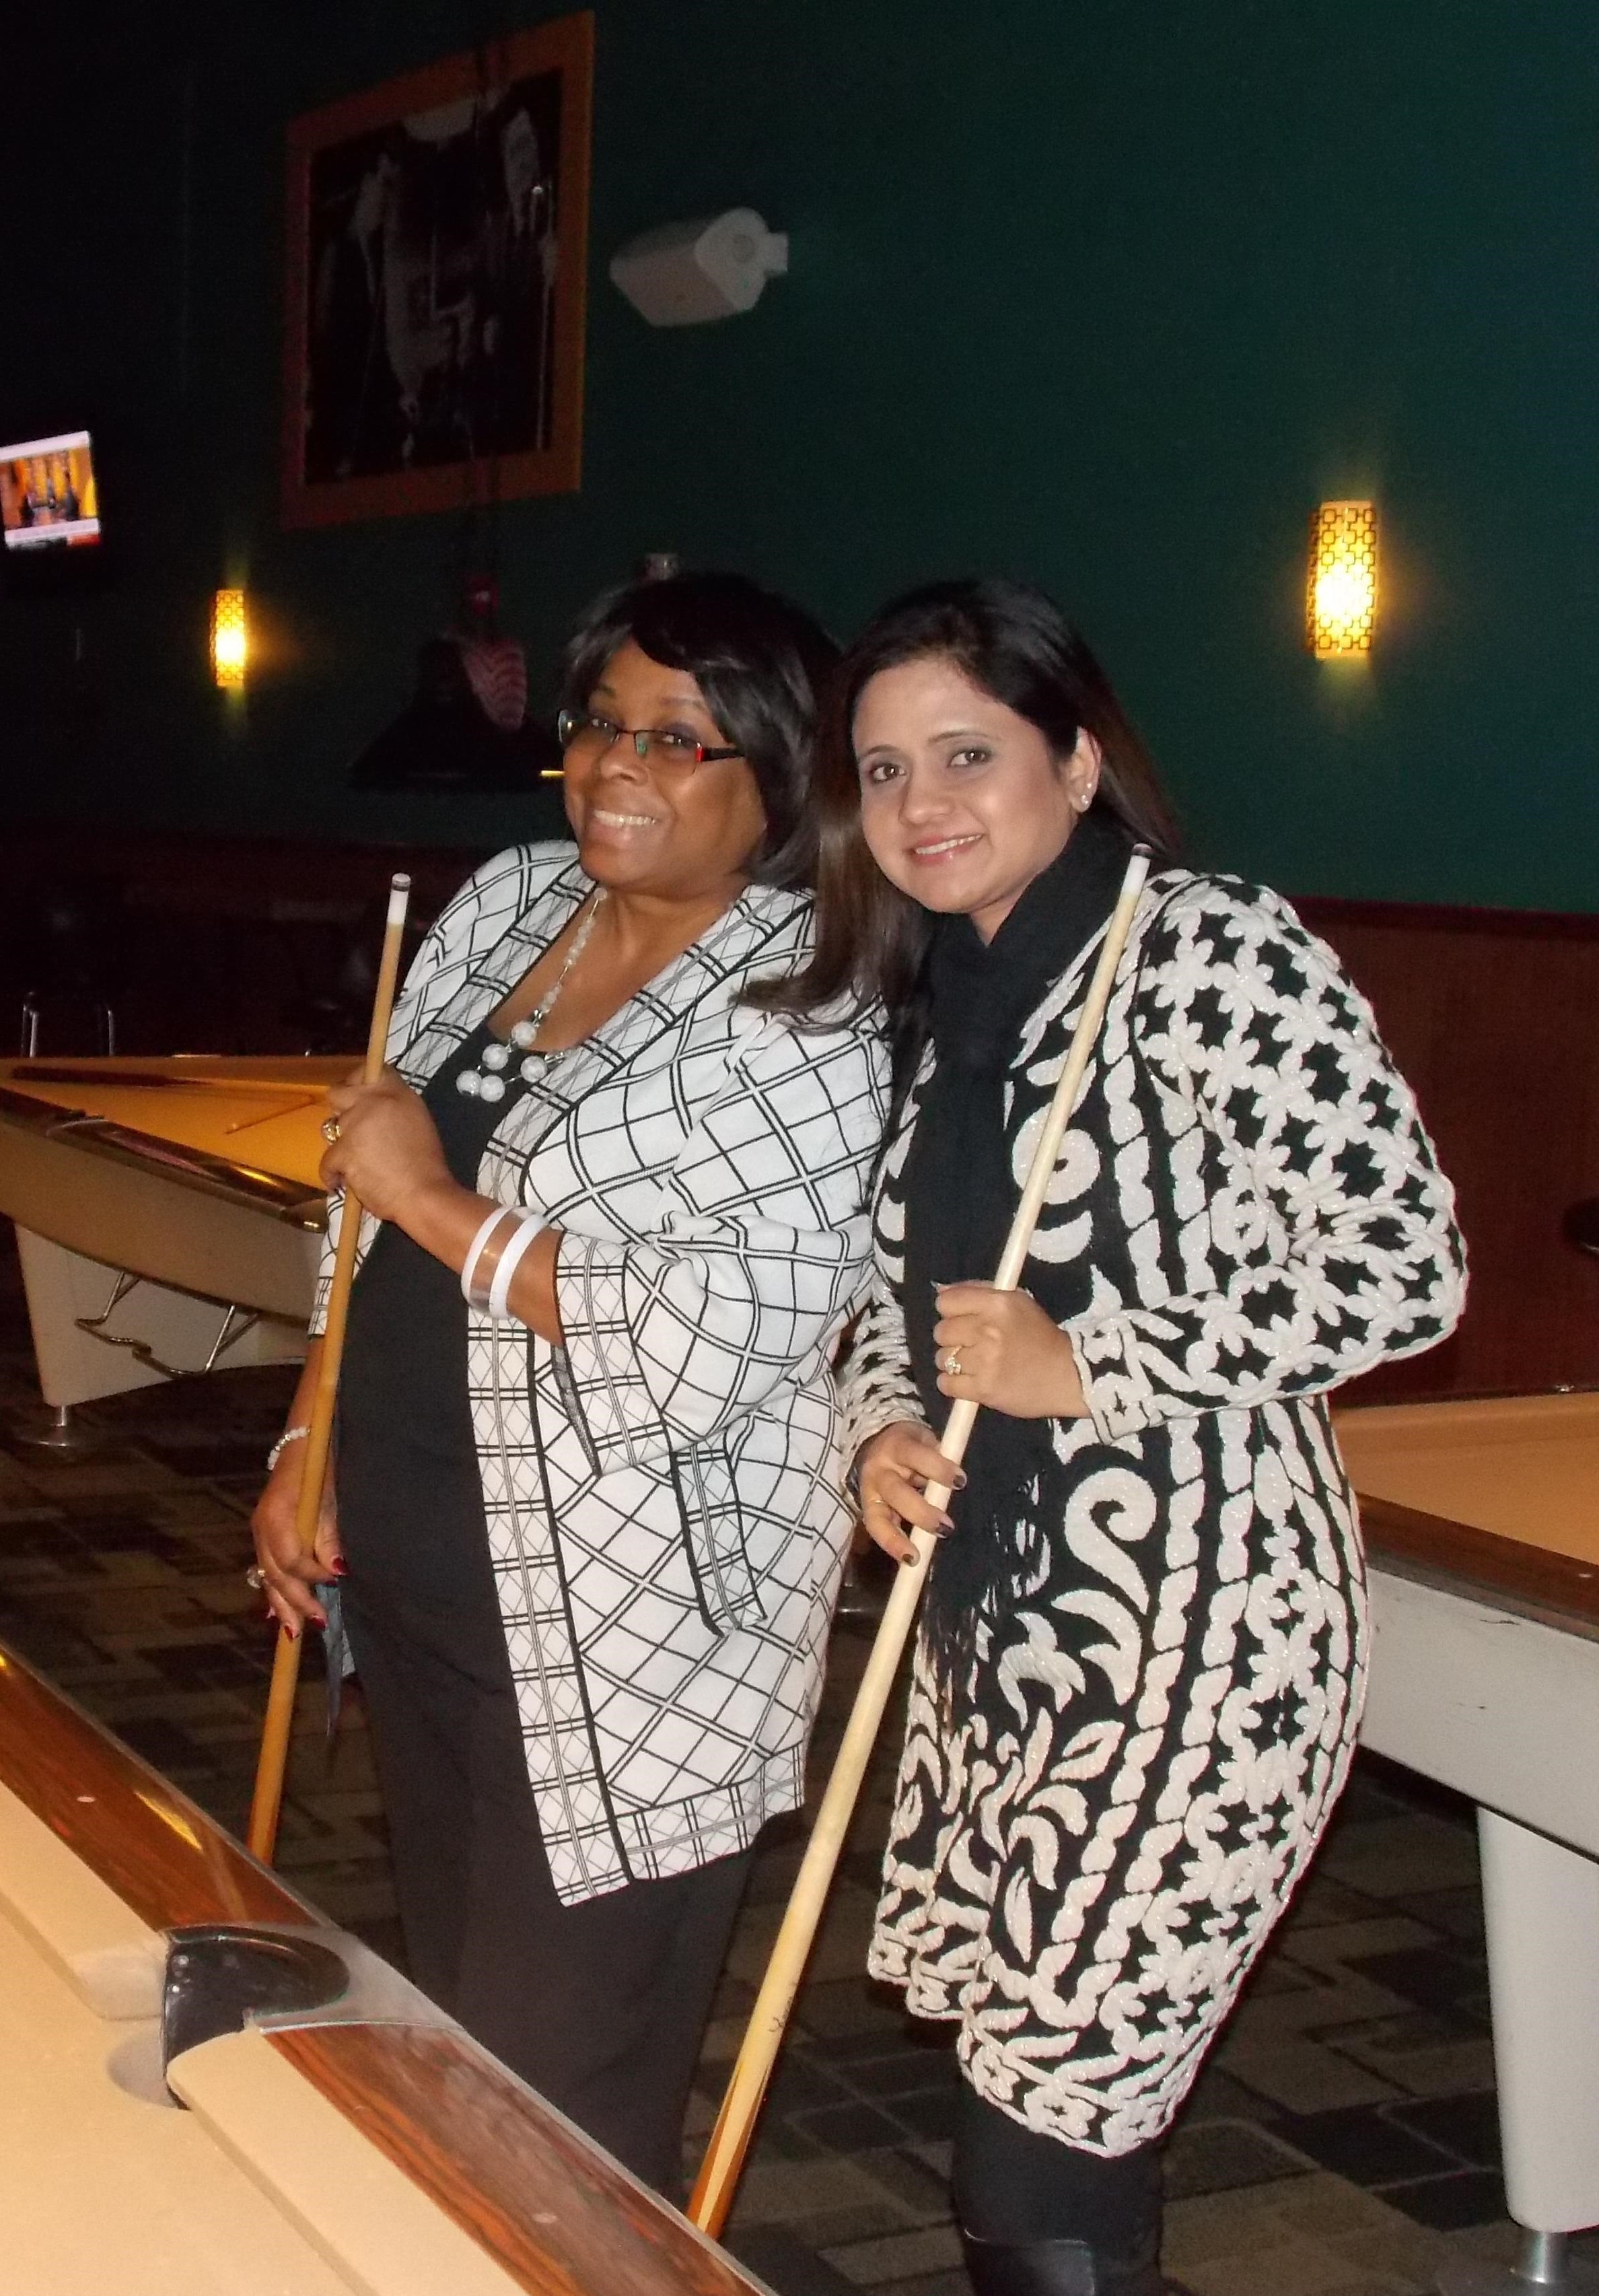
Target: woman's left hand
386, 1151
1007, 1353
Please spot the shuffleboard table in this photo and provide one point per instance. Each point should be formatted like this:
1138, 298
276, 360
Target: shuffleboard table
168, 1212
364, 2144
1482, 1524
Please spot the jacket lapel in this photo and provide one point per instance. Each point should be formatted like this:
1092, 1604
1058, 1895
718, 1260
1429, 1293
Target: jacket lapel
427, 1038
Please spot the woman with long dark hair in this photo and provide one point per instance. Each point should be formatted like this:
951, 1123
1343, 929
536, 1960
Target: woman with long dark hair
589, 1520
1140, 1670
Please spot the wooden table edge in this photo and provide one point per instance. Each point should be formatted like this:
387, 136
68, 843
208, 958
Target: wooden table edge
410, 2089
418, 2092
1460, 1552
235, 1181
100, 1798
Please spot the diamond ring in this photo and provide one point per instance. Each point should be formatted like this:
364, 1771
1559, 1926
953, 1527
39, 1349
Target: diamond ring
952, 1363
330, 1130
255, 1576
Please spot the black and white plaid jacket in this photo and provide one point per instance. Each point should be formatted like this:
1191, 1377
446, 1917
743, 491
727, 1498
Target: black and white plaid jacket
663, 1495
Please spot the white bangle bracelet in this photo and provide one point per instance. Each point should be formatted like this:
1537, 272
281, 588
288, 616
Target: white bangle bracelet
499, 1291
290, 1435
474, 1249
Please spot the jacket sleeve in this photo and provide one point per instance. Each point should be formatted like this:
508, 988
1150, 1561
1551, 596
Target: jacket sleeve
670, 1337
330, 1246
874, 1379
1320, 1237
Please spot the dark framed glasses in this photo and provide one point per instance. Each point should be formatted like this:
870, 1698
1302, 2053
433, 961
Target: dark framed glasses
664, 746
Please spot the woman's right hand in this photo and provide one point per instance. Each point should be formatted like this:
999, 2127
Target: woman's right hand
893, 1471
291, 1573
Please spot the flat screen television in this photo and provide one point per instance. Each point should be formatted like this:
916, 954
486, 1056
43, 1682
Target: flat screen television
49, 497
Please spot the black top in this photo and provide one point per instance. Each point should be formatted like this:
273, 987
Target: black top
410, 1496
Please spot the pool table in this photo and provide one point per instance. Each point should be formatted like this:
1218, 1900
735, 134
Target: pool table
1482, 1522
367, 2145
168, 1212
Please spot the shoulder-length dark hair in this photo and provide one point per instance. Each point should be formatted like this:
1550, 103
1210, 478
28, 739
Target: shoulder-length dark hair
761, 663
1017, 645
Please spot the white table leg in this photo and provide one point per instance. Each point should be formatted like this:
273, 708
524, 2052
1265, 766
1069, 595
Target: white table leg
1541, 1906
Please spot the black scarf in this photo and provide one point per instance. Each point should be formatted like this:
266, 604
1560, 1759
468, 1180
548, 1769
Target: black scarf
960, 1198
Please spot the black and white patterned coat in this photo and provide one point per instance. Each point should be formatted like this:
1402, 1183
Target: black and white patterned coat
1084, 1862
662, 1494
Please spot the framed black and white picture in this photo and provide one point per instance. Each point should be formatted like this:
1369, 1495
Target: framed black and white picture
438, 238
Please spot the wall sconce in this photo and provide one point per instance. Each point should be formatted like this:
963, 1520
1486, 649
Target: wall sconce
230, 638
1340, 602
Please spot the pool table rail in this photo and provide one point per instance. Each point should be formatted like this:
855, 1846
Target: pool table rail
231, 1178
158, 1850
468, 2154
1536, 1579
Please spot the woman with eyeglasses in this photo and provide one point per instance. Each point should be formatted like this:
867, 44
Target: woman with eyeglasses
589, 1525
1143, 1645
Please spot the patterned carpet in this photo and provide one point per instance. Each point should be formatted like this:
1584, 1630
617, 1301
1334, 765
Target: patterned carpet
1341, 2143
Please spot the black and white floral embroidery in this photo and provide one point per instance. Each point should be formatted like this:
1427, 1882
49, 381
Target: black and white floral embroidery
1083, 1869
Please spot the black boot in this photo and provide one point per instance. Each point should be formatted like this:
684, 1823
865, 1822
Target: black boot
1061, 2267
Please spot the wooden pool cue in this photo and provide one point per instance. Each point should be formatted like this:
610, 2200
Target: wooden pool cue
261, 1835
717, 2180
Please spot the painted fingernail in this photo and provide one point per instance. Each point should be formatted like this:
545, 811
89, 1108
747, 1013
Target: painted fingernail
292, 1633
960, 1479
339, 1567
908, 1557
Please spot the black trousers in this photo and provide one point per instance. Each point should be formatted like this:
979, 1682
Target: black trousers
600, 2006
1015, 2185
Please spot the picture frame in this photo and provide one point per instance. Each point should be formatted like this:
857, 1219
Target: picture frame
436, 260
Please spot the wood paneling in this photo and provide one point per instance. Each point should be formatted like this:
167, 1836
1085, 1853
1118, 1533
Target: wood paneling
150, 1844
1493, 1015
556, 2212
200, 944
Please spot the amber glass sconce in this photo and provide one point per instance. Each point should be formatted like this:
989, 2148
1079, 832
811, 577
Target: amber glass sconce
230, 638
1340, 602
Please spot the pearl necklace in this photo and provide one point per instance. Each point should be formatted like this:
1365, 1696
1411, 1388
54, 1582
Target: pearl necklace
487, 1081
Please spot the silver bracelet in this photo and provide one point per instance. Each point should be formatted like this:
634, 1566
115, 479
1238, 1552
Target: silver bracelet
290, 1435
486, 1261
510, 1259
474, 1253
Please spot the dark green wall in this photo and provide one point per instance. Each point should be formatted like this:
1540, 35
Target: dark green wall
1107, 295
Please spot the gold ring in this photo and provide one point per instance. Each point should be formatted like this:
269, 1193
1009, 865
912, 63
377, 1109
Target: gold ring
952, 1363
255, 1576
330, 1130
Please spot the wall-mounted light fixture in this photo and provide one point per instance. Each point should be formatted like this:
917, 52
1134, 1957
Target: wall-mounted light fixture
230, 638
681, 274
1340, 599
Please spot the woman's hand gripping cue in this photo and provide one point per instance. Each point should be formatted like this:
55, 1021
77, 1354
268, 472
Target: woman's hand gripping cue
291, 1574
894, 1470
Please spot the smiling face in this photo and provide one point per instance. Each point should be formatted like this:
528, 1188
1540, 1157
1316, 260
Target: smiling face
677, 833
963, 801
